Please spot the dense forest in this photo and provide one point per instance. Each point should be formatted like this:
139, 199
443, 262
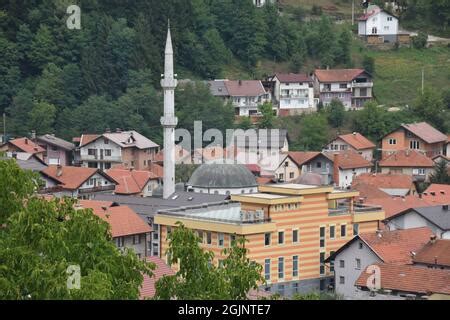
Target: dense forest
106, 75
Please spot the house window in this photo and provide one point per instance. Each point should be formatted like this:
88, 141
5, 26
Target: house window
208, 237
120, 242
360, 245
105, 141
389, 18
107, 165
295, 287
322, 237
358, 264
343, 230
355, 229
281, 268
136, 239
267, 238
281, 237
319, 164
341, 280
341, 264
392, 141
108, 152
374, 30
414, 144
281, 289
200, 236
221, 239
294, 236
331, 262
332, 232
322, 263
267, 269
291, 175
91, 152
342, 86
295, 266
281, 176
419, 172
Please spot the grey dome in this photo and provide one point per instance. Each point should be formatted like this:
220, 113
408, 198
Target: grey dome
222, 176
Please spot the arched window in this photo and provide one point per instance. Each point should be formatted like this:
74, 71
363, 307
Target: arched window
374, 30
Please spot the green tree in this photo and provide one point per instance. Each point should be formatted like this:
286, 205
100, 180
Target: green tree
440, 174
40, 239
372, 121
43, 48
244, 123
313, 132
268, 116
420, 41
198, 279
335, 113
369, 64
429, 106
42, 118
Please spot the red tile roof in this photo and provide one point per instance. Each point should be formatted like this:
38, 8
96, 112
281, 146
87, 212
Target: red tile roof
264, 180
27, 145
437, 193
293, 77
180, 153
393, 206
156, 169
301, 157
72, 177
357, 141
88, 138
130, 181
337, 75
348, 159
426, 132
253, 168
386, 181
407, 158
148, 289
396, 246
122, 219
437, 253
369, 191
245, 88
412, 279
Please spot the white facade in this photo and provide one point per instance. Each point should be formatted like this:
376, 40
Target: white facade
101, 153
412, 220
346, 176
340, 145
248, 105
225, 191
380, 23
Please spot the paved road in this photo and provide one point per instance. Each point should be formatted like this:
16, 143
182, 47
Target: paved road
430, 37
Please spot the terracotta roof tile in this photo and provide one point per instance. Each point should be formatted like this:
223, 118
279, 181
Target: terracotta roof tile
130, 181
437, 194
245, 88
348, 159
337, 75
393, 206
301, 157
88, 138
396, 246
426, 132
156, 169
71, 177
407, 158
437, 253
386, 181
413, 279
293, 77
264, 180
148, 289
369, 191
122, 219
357, 141
27, 145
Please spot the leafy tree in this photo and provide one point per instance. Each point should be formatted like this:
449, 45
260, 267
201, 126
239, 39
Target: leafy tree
42, 118
335, 113
313, 132
371, 121
441, 173
429, 106
420, 41
297, 61
244, 123
9, 71
43, 48
40, 239
343, 55
369, 64
19, 112
198, 279
268, 116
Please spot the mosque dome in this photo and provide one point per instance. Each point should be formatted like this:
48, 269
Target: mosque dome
222, 176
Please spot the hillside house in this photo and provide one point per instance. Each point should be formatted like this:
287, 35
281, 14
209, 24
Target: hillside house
352, 141
353, 87
58, 151
409, 162
378, 26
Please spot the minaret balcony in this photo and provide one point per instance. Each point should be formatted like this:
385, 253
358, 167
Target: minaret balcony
169, 83
169, 121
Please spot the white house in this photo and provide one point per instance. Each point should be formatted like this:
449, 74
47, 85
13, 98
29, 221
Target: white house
247, 95
294, 93
377, 22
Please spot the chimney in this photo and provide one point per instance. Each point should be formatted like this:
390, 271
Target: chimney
354, 133
433, 239
118, 130
240, 82
33, 134
336, 169
379, 234
26, 140
58, 170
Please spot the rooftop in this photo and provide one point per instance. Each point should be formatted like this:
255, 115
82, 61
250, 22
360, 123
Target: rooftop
357, 141
293, 77
124, 139
413, 279
435, 252
301, 157
348, 159
437, 193
218, 88
222, 176
27, 145
148, 289
407, 158
437, 215
394, 205
337, 75
245, 88
425, 132
55, 141
130, 181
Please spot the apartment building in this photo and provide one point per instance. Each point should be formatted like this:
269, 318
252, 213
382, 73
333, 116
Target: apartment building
353, 87
291, 229
128, 148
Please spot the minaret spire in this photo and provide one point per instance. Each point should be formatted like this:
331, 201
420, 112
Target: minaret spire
169, 121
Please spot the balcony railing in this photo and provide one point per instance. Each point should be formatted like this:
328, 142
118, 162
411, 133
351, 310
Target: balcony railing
357, 209
100, 158
97, 189
360, 208
362, 84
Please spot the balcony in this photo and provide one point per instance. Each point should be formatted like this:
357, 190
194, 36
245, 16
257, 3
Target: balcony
360, 213
100, 158
97, 189
362, 84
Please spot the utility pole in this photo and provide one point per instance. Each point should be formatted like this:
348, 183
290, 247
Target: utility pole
353, 12
423, 79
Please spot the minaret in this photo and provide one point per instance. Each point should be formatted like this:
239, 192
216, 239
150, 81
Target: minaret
169, 121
